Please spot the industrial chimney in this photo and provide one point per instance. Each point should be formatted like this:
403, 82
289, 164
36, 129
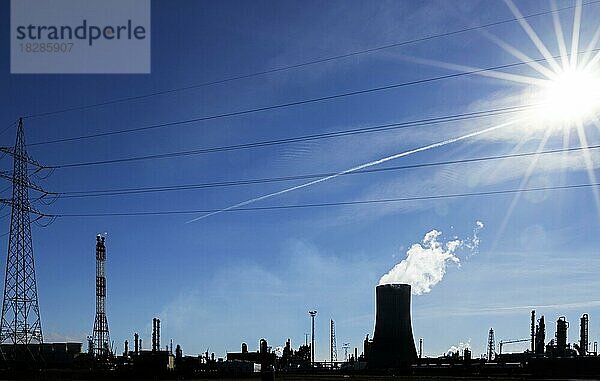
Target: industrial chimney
393, 343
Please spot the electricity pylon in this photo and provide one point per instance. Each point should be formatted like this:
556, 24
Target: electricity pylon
20, 322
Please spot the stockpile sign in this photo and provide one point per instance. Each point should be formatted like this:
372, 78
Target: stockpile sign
80, 36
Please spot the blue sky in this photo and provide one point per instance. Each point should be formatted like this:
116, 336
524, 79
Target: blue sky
242, 276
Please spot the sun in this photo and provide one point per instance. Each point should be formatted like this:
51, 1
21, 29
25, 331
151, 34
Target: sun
572, 97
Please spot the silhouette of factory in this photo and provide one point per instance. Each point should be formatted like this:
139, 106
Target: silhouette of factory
391, 350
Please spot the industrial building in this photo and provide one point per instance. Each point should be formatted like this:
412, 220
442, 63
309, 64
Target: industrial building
50, 355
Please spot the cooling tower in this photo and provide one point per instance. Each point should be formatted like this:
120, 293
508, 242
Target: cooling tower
393, 343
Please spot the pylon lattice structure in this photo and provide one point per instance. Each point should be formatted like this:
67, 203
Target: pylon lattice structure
491, 345
20, 322
101, 336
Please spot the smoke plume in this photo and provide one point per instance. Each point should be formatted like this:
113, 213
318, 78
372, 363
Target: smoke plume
460, 348
426, 262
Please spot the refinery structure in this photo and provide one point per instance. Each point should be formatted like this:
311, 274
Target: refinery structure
392, 349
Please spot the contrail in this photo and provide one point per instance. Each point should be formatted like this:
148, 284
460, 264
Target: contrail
357, 168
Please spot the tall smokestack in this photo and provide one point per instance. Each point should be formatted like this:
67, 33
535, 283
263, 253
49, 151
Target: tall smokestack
393, 343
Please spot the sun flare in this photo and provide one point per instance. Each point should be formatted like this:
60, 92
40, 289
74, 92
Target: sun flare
572, 97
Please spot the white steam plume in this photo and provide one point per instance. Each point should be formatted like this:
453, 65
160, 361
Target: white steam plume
460, 348
425, 263
357, 168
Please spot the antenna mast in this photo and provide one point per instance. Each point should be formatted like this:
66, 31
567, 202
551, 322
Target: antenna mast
101, 336
333, 346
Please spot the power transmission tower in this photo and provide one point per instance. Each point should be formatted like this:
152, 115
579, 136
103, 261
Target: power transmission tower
20, 322
333, 346
101, 336
491, 345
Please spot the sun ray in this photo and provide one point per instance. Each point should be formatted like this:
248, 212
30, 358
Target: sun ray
591, 65
523, 79
575, 35
520, 55
514, 150
560, 37
564, 156
524, 180
533, 36
589, 49
589, 165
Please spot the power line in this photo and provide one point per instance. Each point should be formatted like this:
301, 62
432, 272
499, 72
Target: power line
142, 190
329, 204
299, 102
302, 64
15, 123
311, 137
